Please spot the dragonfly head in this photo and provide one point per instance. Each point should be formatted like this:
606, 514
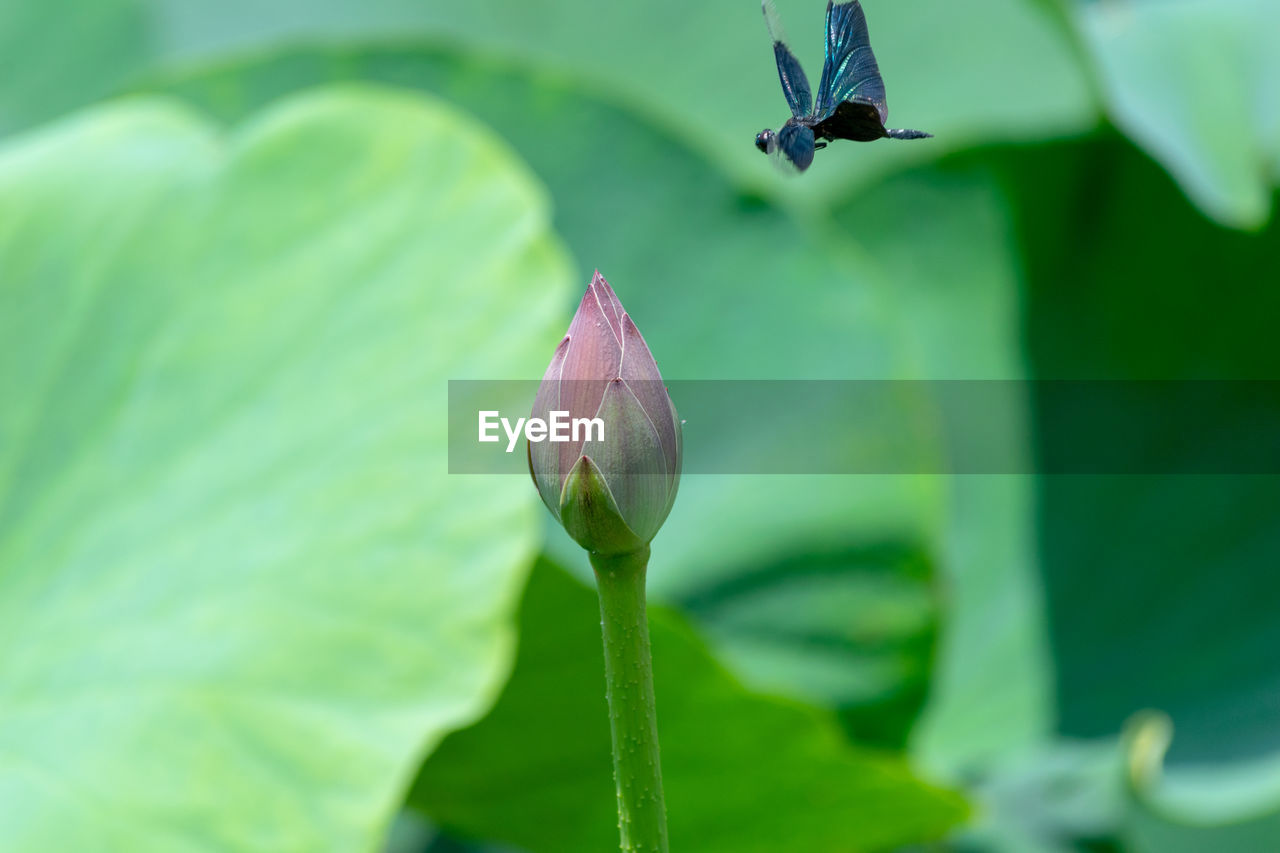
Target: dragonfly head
766, 141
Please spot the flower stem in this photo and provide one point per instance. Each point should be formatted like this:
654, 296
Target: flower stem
628, 669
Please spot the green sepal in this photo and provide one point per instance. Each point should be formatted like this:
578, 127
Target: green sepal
590, 514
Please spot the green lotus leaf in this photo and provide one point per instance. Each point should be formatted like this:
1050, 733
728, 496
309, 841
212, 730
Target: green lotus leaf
536, 771
240, 597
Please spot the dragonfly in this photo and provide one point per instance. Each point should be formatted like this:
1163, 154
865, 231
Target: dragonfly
851, 100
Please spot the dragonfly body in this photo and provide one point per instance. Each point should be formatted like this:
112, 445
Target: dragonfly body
851, 98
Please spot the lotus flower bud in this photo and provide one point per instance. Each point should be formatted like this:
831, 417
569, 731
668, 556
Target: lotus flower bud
612, 492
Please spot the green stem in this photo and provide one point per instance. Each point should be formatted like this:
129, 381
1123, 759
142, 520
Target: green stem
628, 669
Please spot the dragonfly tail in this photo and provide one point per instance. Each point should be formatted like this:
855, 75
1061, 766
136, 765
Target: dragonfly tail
907, 134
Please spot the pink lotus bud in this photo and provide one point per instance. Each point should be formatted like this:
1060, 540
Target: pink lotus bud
612, 492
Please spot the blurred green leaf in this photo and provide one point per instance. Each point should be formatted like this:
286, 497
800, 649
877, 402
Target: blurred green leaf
1157, 600
1155, 832
411, 832
949, 236
60, 55
703, 71
239, 598
741, 772
1057, 796
1202, 808
724, 286
1156, 597
1196, 83
1125, 281
853, 630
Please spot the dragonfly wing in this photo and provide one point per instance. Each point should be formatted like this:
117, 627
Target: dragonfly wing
794, 83
850, 72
